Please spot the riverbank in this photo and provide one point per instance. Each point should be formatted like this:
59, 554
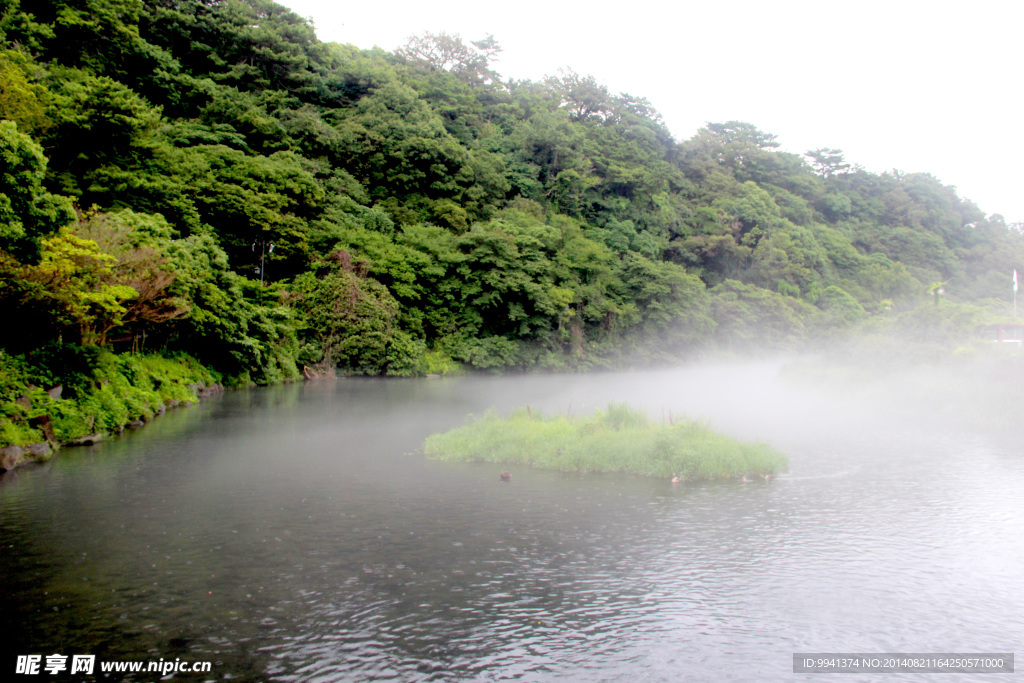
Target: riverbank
71, 395
621, 439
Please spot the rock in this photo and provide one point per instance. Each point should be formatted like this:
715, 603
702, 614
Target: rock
207, 391
38, 452
43, 424
55, 392
16, 456
12, 457
87, 440
135, 424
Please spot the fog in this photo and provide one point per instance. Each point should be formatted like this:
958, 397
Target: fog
791, 397
298, 533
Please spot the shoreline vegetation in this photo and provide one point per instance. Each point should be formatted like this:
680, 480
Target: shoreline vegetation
70, 395
620, 439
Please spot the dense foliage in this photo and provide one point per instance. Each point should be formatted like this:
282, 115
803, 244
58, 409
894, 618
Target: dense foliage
206, 176
90, 391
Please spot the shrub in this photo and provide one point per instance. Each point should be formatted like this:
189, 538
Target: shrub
101, 391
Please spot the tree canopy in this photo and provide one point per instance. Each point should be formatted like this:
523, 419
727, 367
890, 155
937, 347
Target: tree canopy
206, 175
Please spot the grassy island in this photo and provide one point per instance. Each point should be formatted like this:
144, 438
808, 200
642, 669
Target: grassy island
621, 439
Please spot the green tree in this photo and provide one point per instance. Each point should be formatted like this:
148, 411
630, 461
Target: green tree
582, 96
828, 162
28, 213
751, 318
139, 245
23, 98
73, 282
448, 52
351, 321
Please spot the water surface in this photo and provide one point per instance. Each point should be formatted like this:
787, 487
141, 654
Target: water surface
296, 534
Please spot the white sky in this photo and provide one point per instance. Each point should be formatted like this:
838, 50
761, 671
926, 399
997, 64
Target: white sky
933, 86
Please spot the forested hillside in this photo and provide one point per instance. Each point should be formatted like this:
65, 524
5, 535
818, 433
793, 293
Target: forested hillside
206, 177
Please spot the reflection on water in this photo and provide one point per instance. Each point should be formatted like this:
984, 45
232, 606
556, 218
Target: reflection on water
295, 534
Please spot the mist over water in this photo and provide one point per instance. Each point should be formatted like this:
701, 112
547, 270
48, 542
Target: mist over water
296, 534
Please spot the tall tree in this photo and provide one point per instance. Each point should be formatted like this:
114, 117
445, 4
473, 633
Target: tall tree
28, 212
828, 162
448, 52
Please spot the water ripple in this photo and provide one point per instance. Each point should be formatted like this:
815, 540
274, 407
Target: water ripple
326, 566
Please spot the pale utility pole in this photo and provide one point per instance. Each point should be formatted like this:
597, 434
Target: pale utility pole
263, 253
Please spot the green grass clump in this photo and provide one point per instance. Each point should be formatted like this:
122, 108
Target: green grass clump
622, 439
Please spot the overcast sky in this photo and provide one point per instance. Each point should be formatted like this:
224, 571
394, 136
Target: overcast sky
916, 86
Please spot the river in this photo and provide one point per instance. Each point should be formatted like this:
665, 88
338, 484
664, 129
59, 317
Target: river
295, 533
